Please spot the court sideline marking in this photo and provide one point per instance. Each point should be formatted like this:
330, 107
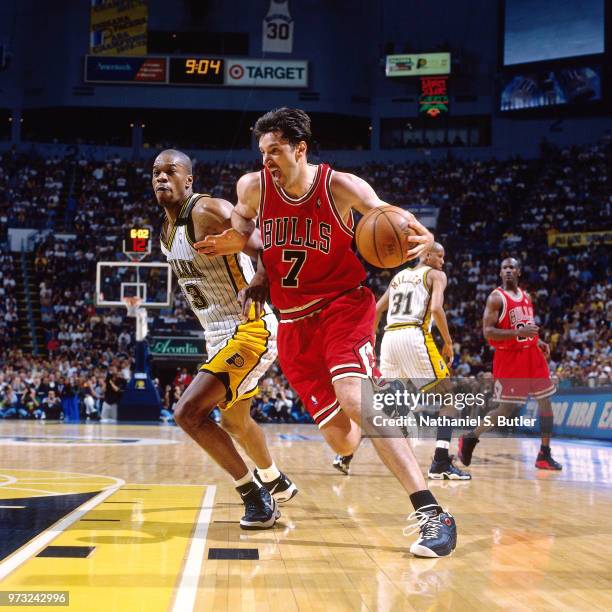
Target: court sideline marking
47, 536
188, 586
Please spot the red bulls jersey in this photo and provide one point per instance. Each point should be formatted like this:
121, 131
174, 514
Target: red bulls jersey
515, 313
307, 246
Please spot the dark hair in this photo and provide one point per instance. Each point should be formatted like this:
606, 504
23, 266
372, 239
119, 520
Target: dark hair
292, 123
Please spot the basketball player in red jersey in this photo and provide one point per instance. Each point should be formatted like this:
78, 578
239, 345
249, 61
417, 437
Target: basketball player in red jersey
519, 362
325, 340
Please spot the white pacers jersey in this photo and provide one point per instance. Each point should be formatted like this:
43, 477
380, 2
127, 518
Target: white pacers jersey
408, 349
409, 299
210, 284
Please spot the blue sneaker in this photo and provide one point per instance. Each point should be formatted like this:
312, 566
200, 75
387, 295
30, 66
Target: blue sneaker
260, 509
446, 470
437, 532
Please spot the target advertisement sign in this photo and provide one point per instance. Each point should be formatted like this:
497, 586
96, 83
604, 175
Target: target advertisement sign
266, 73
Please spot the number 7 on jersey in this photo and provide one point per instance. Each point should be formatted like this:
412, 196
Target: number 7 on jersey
298, 258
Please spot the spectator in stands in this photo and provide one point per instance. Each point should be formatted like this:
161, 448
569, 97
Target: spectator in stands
52, 406
91, 393
113, 390
182, 378
29, 405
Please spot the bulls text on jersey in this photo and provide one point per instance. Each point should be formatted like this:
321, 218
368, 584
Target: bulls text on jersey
296, 231
521, 315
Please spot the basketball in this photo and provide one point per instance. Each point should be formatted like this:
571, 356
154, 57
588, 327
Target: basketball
383, 235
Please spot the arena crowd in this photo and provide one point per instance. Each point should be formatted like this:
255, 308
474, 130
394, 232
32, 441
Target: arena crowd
487, 211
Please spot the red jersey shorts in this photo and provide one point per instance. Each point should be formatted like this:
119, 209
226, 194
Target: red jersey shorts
519, 374
333, 343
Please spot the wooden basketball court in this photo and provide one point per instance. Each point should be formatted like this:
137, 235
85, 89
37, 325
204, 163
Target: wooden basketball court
138, 518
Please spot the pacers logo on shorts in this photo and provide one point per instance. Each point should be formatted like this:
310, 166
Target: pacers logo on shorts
236, 360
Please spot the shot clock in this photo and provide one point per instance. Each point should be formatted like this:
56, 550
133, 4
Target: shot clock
137, 243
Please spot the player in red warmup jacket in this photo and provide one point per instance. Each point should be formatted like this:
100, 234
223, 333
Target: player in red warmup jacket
325, 340
519, 363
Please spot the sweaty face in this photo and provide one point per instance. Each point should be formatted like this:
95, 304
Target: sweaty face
509, 271
279, 157
170, 180
435, 259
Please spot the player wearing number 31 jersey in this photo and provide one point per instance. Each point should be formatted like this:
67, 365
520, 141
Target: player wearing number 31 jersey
408, 349
415, 299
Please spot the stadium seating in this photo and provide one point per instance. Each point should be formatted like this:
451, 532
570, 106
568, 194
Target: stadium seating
486, 210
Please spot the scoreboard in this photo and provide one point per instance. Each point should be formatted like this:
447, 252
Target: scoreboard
137, 243
196, 71
434, 100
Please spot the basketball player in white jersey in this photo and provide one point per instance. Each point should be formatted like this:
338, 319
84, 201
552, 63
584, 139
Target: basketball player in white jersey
415, 299
239, 352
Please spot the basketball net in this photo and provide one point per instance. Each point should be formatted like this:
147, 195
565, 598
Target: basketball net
134, 309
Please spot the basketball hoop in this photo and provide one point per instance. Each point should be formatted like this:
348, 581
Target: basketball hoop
132, 303
134, 309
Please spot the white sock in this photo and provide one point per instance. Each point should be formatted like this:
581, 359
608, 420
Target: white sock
248, 477
442, 444
268, 474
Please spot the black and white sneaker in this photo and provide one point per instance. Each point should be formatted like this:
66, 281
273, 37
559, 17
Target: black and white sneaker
343, 463
446, 470
260, 509
281, 489
437, 532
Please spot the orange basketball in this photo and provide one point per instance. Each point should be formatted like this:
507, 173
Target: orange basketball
382, 236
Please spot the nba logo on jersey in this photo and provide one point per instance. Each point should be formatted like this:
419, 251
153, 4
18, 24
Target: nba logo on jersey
277, 32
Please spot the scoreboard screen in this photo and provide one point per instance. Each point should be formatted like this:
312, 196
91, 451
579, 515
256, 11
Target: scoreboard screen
434, 98
137, 242
196, 71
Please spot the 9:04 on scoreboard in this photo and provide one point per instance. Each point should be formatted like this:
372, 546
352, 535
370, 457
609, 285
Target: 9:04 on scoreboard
196, 71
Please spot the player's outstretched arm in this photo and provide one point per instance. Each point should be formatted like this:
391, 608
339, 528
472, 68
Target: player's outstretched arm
234, 239
438, 286
351, 192
212, 218
490, 317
